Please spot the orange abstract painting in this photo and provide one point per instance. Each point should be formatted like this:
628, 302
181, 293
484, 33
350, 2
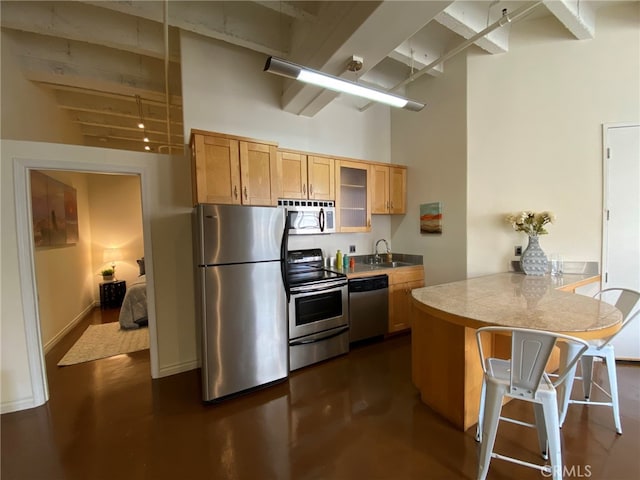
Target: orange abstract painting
431, 217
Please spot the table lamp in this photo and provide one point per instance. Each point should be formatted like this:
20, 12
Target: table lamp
111, 255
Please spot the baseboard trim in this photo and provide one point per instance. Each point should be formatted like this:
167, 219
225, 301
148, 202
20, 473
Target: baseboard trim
56, 339
18, 405
174, 369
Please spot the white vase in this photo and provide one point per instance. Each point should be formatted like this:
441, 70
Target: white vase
533, 260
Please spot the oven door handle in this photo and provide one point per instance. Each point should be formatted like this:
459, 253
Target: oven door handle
318, 338
324, 286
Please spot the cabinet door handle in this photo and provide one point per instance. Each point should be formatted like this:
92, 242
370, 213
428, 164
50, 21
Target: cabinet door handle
235, 191
387, 205
245, 193
310, 189
391, 205
304, 189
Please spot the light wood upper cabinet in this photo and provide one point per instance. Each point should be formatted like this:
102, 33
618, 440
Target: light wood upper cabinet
231, 170
307, 176
294, 174
259, 174
389, 190
216, 170
353, 196
322, 175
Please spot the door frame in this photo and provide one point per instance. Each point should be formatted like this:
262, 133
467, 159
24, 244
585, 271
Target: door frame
26, 259
605, 196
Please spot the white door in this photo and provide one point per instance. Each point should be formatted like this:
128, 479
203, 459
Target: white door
621, 242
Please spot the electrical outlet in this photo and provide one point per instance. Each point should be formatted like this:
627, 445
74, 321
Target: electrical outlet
518, 250
352, 249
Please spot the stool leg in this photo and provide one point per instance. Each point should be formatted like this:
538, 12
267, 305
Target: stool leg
492, 408
613, 386
549, 405
564, 389
586, 362
541, 427
481, 412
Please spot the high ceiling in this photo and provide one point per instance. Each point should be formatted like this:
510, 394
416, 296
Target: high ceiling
112, 64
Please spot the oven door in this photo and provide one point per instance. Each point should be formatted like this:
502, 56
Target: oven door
314, 309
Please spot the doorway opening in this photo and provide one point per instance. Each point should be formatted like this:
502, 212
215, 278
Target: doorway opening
26, 260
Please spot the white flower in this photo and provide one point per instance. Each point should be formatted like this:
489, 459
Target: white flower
529, 222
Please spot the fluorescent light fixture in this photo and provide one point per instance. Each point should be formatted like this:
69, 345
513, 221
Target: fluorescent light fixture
313, 77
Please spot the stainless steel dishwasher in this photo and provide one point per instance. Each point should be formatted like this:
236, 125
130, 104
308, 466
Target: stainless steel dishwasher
368, 307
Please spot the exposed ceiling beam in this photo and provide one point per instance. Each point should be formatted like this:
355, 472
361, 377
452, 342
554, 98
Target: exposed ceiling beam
373, 38
58, 61
578, 17
246, 24
290, 10
467, 18
86, 23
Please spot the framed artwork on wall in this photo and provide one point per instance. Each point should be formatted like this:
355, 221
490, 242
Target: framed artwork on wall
431, 217
54, 211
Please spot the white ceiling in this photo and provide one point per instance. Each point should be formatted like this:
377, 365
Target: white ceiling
109, 63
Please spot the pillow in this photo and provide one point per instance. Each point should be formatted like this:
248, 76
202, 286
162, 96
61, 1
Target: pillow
141, 265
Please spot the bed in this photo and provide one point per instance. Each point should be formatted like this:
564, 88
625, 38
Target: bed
133, 312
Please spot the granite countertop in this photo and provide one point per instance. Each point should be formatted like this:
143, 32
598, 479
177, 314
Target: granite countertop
519, 300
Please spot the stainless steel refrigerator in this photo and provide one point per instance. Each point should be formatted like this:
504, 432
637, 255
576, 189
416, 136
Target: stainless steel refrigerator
242, 304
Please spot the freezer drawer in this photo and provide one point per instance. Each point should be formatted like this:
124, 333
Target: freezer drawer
314, 348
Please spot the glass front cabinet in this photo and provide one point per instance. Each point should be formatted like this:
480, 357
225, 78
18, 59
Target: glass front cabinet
353, 196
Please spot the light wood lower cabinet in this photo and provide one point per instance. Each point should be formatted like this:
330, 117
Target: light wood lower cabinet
401, 282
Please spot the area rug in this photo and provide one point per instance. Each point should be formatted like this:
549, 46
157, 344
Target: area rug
105, 340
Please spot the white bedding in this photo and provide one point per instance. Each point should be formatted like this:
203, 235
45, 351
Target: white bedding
133, 312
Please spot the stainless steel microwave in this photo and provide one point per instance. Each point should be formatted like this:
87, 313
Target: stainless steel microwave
309, 217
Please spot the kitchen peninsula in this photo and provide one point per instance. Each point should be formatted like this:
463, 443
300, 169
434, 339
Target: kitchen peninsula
445, 363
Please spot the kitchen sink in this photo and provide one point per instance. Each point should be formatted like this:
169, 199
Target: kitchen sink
393, 264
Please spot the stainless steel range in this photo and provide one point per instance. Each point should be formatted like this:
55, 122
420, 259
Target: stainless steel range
318, 309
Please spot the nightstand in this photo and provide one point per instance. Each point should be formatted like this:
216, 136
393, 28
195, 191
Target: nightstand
112, 293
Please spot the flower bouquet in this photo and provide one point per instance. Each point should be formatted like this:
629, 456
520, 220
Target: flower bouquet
533, 260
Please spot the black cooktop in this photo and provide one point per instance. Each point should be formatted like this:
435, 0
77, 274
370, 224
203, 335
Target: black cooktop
305, 267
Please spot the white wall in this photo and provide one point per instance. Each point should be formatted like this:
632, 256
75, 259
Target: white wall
535, 141
116, 222
432, 143
225, 90
63, 273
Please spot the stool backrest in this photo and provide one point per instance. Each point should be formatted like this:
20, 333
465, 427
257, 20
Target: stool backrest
626, 301
530, 352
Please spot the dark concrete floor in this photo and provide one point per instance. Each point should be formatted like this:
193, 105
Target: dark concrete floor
353, 417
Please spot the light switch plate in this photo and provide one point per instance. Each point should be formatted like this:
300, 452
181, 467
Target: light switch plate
517, 251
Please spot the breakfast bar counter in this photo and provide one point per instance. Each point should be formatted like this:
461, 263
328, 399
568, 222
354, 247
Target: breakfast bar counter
445, 363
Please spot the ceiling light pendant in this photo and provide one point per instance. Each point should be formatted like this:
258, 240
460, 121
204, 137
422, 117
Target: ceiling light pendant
284, 68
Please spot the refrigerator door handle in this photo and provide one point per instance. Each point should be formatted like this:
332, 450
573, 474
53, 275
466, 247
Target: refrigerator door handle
284, 246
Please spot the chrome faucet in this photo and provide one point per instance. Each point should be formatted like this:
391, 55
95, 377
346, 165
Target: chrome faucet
377, 256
